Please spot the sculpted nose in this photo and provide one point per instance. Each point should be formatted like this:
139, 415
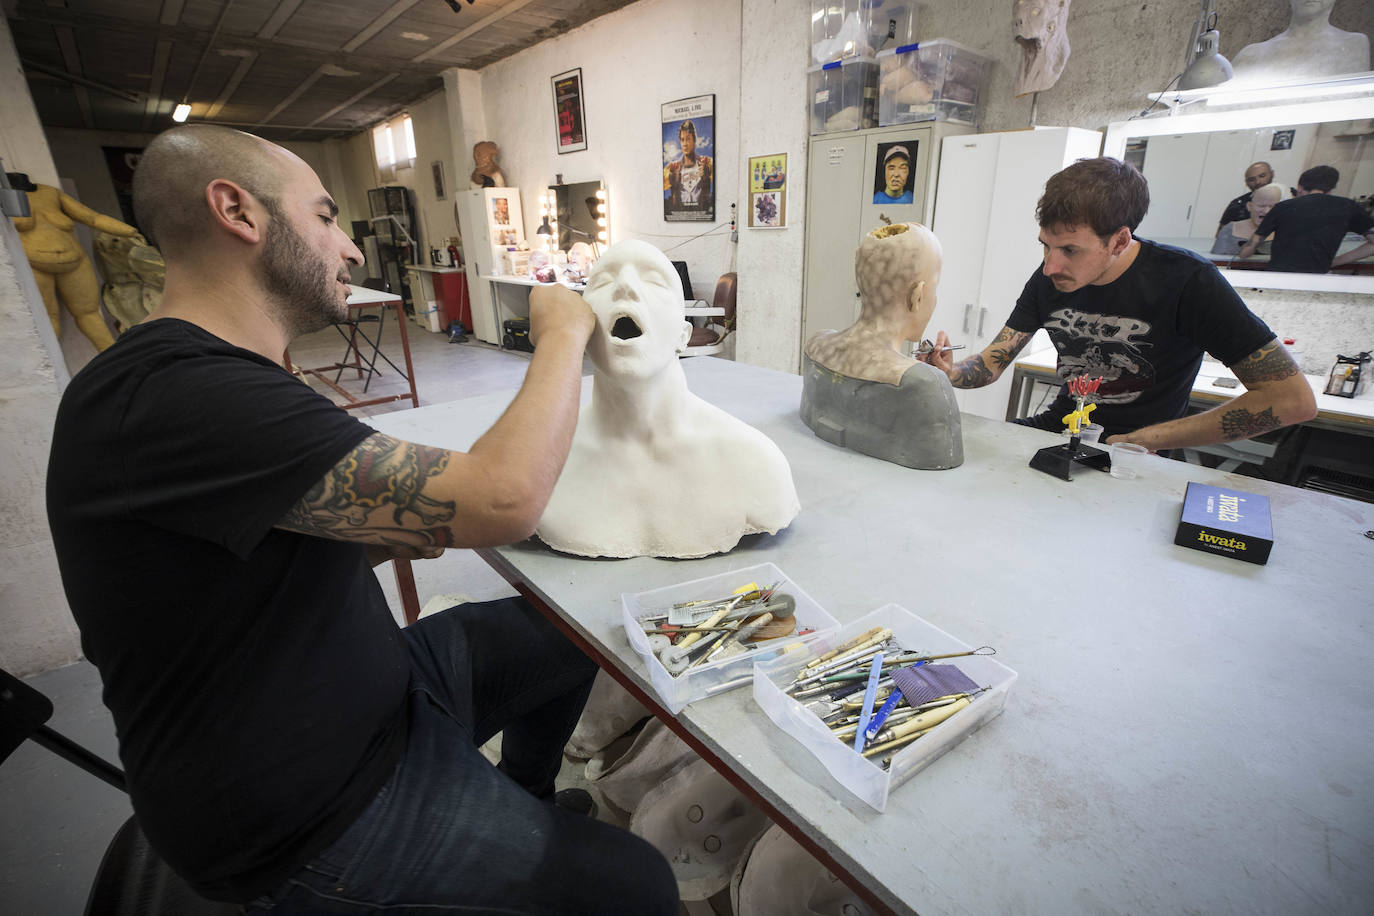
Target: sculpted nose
626, 285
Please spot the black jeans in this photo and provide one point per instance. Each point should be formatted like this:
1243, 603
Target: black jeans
450, 833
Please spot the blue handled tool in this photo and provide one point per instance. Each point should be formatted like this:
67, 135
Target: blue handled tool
877, 723
875, 674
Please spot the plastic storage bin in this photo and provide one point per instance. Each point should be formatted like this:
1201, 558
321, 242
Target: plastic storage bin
844, 95
859, 28
936, 80
718, 676
856, 773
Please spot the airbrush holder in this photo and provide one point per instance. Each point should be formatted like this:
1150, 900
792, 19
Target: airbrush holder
862, 775
1058, 460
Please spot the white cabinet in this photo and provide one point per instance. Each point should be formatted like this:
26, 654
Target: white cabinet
985, 219
844, 182
491, 224
1173, 168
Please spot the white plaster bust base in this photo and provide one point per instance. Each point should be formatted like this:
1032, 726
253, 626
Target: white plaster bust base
1310, 48
655, 470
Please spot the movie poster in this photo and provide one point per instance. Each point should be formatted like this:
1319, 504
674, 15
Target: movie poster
568, 111
689, 176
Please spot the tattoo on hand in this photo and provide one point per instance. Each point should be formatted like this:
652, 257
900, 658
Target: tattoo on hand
381, 477
1242, 424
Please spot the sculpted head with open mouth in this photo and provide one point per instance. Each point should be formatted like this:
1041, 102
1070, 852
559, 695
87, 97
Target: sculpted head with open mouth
638, 300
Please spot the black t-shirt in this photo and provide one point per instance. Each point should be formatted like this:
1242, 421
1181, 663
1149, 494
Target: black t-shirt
1144, 333
1308, 231
256, 676
1236, 209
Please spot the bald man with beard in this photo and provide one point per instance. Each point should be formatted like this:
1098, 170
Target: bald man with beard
287, 746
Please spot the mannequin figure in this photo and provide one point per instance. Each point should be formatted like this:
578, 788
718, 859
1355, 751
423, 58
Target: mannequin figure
1233, 235
1040, 27
486, 174
858, 390
1310, 47
655, 470
60, 267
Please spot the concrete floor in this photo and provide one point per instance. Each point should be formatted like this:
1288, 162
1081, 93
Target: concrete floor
57, 818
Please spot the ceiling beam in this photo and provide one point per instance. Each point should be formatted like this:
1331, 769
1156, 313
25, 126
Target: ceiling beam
348, 103
240, 71
124, 94
161, 56
378, 24
71, 57
511, 7
296, 93
284, 11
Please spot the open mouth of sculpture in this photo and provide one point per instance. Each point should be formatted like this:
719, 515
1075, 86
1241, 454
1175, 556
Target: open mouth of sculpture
625, 328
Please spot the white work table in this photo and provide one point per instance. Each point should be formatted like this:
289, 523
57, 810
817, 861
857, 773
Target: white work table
1188, 732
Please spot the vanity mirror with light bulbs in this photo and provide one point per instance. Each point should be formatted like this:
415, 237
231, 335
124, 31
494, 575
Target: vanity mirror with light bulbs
576, 212
1195, 165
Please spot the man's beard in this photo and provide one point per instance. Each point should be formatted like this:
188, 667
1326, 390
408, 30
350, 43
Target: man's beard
297, 280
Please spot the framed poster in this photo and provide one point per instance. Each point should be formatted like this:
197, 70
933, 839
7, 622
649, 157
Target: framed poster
768, 191
689, 177
568, 112
437, 169
894, 172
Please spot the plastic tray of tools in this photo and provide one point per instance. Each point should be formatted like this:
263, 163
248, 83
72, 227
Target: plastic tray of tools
718, 676
860, 775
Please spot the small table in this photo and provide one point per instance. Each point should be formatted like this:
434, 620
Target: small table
359, 299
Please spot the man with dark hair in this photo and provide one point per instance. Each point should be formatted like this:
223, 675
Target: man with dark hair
1308, 229
689, 178
287, 746
896, 177
1257, 176
1139, 315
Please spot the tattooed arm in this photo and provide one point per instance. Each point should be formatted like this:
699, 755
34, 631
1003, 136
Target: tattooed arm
421, 499
982, 368
1276, 395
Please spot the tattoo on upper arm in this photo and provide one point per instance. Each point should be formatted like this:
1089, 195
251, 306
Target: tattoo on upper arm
1242, 424
1270, 363
369, 493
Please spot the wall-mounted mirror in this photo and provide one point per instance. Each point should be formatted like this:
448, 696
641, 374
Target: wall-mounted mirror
576, 210
1196, 165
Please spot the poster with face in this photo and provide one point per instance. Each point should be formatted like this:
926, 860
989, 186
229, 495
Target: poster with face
894, 172
689, 179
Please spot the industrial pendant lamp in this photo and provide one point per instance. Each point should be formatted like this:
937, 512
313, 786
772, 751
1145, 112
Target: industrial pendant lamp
1207, 67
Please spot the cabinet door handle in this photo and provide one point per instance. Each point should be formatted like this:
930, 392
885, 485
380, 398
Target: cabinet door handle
968, 310
1190, 212
982, 314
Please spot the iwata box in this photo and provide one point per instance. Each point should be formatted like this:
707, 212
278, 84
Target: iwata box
723, 674
937, 80
860, 775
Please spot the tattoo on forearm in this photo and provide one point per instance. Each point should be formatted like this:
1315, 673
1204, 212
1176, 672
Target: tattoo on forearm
971, 373
1012, 342
381, 477
1242, 424
1270, 363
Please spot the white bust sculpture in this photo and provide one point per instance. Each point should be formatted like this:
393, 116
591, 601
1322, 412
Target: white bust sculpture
655, 470
1040, 27
1310, 47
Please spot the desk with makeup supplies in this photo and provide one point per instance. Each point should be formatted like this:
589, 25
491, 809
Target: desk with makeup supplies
1185, 732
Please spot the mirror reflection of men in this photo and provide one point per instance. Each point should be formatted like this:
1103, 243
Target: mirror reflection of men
1257, 176
287, 746
896, 177
689, 179
1140, 315
1308, 229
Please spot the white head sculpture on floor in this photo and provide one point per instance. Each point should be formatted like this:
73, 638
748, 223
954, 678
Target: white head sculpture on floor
1310, 47
655, 470
1040, 27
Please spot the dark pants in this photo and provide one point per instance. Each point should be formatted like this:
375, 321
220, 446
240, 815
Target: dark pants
450, 833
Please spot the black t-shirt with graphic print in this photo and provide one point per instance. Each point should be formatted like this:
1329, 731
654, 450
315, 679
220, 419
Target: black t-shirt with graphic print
1144, 333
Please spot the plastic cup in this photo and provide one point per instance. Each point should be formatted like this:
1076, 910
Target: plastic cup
1091, 433
1127, 459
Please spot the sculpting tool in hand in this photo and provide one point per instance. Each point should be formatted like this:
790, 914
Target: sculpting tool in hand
874, 673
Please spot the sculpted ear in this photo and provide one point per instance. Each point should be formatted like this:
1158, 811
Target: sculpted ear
235, 211
685, 337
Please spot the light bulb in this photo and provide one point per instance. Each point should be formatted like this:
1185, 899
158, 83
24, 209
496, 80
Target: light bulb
181, 113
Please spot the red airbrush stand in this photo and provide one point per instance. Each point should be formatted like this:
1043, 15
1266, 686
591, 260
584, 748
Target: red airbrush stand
1059, 460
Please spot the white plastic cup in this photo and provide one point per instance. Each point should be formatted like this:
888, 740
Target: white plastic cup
1127, 459
1091, 433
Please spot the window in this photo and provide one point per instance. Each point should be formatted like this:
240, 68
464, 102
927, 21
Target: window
409, 131
385, 142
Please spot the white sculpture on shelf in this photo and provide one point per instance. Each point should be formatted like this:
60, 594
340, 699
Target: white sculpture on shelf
655, 470
1040, 27
1310, 48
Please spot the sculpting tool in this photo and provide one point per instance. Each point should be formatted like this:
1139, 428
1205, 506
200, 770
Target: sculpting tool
874, 673
856, 641
919, 723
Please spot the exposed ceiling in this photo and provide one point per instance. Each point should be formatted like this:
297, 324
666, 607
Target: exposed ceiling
283, 69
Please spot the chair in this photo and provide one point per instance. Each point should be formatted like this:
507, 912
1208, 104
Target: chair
353, 357
131, 879
707, 340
